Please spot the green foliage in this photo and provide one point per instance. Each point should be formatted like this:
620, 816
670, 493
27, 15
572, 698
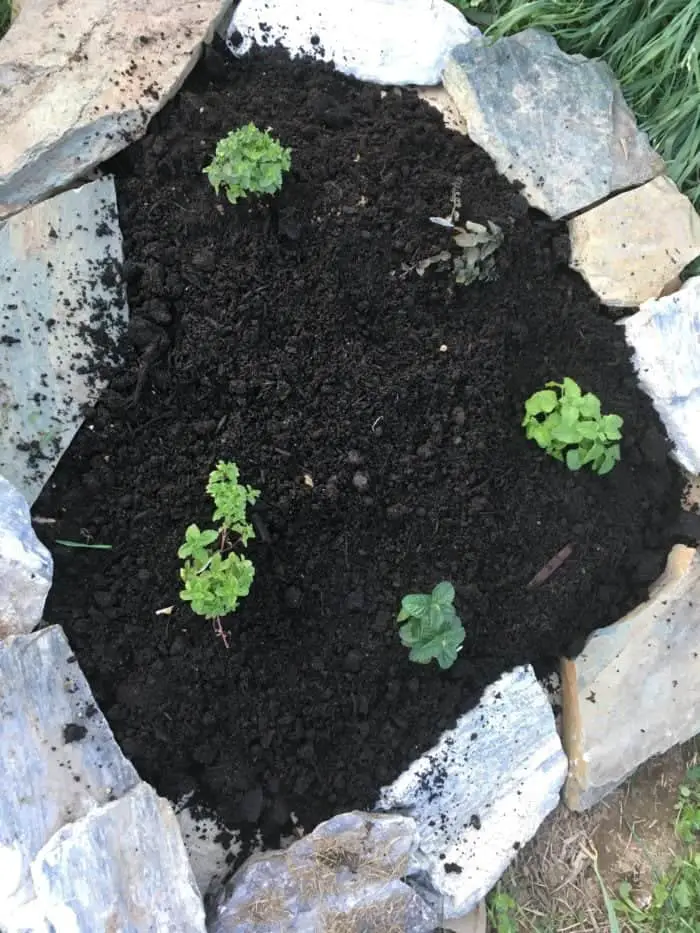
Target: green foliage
214, 575
248, 161
652, 48
432, 628
502, 910
675, 900
231, 500
570, 427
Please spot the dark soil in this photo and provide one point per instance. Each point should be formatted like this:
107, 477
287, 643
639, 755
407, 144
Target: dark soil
379, 413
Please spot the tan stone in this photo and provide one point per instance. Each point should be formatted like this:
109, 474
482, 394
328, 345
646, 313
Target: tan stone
438, 98
634, 691
79, 79
632, 247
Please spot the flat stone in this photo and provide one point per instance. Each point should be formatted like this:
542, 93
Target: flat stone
85, 84
26, 566
557, 123
634, 691
665, 335
66, 314
631, 247
475, 922
59, 758
483, 790
388, 43
345, 875
122, 867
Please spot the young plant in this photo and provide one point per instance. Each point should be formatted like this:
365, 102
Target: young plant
432, 628
214, 575
248, 161
570, 427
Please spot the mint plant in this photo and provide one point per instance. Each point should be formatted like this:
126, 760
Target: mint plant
248, 161
570, 427
432, 628
215, 576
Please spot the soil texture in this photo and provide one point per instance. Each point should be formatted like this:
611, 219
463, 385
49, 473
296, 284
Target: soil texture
376, 409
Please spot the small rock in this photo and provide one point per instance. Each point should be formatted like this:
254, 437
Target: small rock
293, 597
360, 481
353, 662
355, 458
458, 416
74, 733
355, 601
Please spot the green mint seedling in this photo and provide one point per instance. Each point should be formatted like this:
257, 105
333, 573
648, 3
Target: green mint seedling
570, 427
432, 628
248, 161
215, 577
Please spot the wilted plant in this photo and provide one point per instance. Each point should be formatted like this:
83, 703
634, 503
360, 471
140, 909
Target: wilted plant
215, 576
432, 628
248, 161
570, 427
477, 244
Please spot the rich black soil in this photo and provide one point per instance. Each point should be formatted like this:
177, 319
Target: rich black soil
379, 413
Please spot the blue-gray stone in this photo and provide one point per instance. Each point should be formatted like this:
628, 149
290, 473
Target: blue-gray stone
557, 123
26, 567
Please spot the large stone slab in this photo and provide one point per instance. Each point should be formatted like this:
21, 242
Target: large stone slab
634, 691
65, 314
120, 869
631, 247
58, 759
386, 41
79, 88
557, 123
665, 335
26, 566
483, 790
346, 875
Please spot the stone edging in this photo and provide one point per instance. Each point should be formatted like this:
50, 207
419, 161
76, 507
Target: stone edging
123, 812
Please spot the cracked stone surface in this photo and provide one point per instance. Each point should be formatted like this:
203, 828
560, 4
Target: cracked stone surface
65, 316
121, 867
634, 691
632, 247
345, 875
665, 335
26, 566
483, 790
59, 758
557, 123
79, 89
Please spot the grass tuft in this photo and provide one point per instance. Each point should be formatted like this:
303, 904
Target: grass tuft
5, 16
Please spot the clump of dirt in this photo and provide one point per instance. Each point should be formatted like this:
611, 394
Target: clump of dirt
379, 413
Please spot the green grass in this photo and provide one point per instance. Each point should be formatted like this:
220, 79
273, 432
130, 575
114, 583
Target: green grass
652, 47
675, 899
5, 16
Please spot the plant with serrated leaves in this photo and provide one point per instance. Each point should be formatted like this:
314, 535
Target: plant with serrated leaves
568, 424
477, 244
432, 628
215, 576
248, 161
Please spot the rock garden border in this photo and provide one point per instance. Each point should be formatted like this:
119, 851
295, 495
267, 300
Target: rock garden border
632, 234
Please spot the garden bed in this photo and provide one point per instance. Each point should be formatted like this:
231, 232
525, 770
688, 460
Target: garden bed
378, 411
